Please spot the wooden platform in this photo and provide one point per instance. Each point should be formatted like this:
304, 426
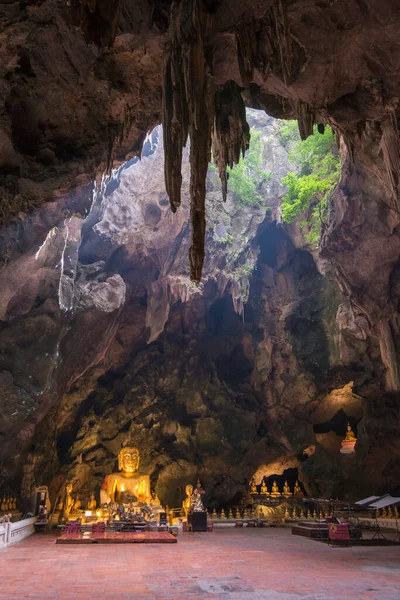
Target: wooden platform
134, 537
311, 529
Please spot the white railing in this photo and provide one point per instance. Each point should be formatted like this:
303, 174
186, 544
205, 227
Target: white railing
11, 533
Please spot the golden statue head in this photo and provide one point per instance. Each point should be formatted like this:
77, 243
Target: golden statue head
128, 459
189, 490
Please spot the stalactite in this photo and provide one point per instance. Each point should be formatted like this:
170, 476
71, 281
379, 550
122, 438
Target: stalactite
305, 118
231, 133
98, 19
175, 127
192, 106
390, 146
282, 39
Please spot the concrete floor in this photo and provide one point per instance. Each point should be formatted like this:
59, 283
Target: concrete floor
229, 564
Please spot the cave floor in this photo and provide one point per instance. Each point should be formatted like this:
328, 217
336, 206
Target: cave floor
228, 564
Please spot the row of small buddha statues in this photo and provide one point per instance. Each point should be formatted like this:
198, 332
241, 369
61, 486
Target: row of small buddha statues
387, 513
8, 503
257, 513
275, 492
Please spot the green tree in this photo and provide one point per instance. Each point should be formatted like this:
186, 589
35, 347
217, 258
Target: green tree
245, 179
318, 163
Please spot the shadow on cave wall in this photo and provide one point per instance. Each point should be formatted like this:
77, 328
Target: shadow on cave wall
309, 310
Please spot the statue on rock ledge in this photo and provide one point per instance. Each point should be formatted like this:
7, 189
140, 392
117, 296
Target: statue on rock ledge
128, 486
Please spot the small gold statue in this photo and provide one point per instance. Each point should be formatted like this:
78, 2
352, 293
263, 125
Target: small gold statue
286, 490
275, 489
301, 514
294, 513
77, 503
264, 489
297, 489
350, 437
214, 514
246, 514
384, 513
230, 515
314, 514
222, 515
92, 504
389, 513
237, 514
187, 503
309, 514
287, 516
253, 487
15, 503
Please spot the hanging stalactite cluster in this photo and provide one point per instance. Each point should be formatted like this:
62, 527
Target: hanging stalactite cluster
193, 107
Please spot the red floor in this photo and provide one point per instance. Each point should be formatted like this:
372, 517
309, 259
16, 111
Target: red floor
229, 564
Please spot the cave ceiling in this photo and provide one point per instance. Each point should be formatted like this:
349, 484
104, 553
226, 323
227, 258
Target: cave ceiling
82, 84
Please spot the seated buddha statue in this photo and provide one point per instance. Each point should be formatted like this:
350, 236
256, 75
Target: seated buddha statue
297, 489
350, 437
253, 487
264, 489
187, 503
275, 489
92, 505
127, 486
286, 489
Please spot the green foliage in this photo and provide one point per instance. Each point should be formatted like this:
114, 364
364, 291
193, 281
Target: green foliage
309, 189
245, 179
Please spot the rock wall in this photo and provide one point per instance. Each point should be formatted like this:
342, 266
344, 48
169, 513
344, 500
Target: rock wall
255, 371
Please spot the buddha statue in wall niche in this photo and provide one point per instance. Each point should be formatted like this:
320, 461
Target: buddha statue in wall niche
128, 485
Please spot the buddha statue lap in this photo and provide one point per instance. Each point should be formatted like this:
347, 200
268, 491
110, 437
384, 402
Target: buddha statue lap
128, 486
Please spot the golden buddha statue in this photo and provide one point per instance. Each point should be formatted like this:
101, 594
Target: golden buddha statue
275, 489
3, 504
297, 489
350, 437
237, 515
222, 515
92, 504
128, 486
253, 487
264, 489
214, 514
68, 500
187, 503
77, 503
286, 489
230, 514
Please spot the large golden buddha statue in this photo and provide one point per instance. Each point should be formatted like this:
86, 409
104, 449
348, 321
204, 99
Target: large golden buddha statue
128, 486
